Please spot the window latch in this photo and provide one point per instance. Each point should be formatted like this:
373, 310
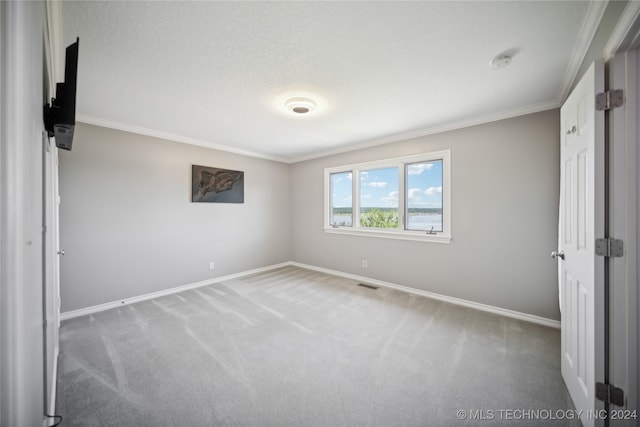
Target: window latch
431, 231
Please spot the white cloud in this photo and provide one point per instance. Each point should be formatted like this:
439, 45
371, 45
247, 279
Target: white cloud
378, 184
341, 176
418, 168
414, 193
391, 198
433, 190
366, 196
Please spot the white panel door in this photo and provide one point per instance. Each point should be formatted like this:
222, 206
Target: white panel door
581, 221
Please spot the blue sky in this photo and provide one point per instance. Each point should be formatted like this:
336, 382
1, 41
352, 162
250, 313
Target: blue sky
379, 187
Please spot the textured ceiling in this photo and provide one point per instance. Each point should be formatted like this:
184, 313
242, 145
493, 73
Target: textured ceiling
217, 73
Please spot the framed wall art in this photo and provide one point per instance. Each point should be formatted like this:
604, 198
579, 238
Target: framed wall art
215, 185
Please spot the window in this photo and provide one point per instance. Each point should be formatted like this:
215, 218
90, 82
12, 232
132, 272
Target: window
341, 199
379, 198
402, 198
424, 196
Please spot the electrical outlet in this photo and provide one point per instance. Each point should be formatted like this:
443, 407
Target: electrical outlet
212, 265
364, 263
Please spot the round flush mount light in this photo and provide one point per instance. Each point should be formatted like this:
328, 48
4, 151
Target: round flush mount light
297, 103
500, 61
300, 105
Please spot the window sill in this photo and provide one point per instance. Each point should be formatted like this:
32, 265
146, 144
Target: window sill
386, 234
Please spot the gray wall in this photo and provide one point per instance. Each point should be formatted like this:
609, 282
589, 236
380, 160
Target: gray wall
128, 226
505, 180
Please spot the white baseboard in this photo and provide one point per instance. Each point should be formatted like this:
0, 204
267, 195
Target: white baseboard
457, 301
452, 300
113, 304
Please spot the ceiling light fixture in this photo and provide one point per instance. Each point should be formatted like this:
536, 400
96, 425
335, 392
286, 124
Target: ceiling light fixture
500, 61
300, 105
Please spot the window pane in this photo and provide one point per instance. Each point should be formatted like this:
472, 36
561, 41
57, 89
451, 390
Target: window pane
424, 196
341, 199
379, 198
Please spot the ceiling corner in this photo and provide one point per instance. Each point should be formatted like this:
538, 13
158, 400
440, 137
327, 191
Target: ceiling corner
585, 37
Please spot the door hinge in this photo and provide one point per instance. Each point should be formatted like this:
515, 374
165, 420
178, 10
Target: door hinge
609, 247
609, 99
610, 394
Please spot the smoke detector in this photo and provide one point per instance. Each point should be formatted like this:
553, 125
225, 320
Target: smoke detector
500, 61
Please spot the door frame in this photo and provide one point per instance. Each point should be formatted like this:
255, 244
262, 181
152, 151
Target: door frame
54, 54
622, 56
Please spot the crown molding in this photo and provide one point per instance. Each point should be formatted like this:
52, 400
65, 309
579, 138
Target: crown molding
628, 26
585, 38
447, 127
90, 120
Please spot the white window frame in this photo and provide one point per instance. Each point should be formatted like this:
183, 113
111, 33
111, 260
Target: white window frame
443, 236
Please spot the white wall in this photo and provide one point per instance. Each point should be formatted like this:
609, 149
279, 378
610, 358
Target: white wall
21, 214
128, 226
505, 180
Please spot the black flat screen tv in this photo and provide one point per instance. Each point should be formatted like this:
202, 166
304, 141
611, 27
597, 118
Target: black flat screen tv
60, 116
